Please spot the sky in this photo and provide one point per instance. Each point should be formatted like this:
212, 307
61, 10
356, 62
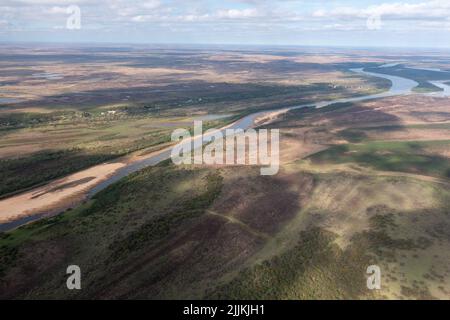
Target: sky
410, 23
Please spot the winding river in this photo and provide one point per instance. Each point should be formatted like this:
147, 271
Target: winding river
444, 86
30, 211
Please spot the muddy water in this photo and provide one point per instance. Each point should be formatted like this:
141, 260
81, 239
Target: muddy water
399, 86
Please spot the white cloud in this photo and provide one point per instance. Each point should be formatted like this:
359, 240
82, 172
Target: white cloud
151, 4
48, 2
204, 15
239, 14
399, 10
57, 10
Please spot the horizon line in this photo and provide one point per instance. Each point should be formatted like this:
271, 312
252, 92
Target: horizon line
278, 45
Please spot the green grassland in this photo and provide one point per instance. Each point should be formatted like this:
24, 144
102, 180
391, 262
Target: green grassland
360, 134
113, 235
194, 232
78, 128
126, 219
151, 235
68, 148
403, 156
169, 232
315, 268
74, 140
22, 173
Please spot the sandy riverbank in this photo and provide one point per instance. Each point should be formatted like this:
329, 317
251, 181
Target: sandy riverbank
58, 195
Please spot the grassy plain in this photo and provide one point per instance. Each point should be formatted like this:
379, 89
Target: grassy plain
77, 107
356, 187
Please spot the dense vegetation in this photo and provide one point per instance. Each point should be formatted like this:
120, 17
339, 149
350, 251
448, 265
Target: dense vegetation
129, 217
18, 174
198, 232
314, 269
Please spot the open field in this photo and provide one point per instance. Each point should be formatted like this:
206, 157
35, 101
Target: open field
32, 156
304, 234
151, 80
360, 184
74, 108
409, 156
